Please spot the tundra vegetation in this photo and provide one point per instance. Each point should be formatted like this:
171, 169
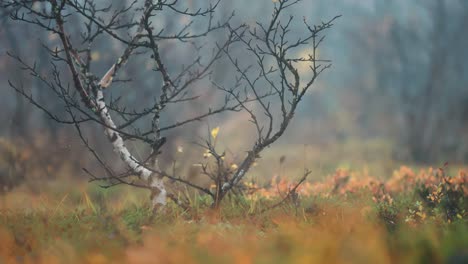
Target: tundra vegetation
171, 66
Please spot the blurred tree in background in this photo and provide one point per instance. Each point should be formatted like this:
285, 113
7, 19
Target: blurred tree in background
399, 76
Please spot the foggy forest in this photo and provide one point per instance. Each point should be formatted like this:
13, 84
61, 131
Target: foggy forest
218, 131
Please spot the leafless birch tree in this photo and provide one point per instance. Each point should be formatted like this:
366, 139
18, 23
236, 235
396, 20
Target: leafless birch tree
268, 86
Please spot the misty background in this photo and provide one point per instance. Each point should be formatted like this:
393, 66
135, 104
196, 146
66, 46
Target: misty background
397, 92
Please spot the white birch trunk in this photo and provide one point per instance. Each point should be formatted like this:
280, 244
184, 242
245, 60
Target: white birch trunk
155, 182
158, 191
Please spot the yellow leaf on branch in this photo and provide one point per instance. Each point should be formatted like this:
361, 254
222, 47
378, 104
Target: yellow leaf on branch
214, 132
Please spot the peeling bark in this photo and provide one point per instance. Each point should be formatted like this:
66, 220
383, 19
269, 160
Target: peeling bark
155, 182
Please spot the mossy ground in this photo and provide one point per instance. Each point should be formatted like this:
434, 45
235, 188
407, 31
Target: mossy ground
88, 224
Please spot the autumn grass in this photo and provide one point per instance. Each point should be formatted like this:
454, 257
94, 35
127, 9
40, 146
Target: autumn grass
87, 224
